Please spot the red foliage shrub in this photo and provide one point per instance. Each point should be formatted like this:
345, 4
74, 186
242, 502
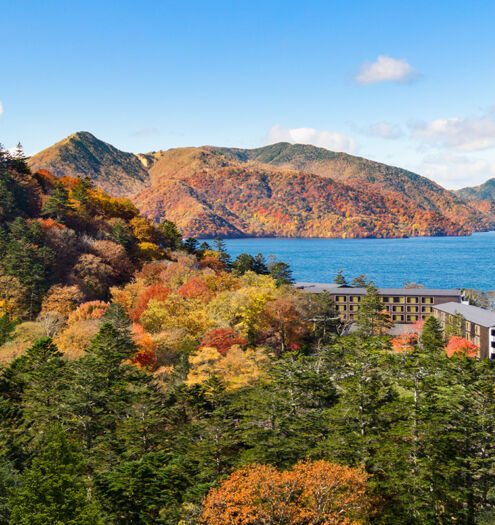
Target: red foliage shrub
195, 288
463, 346
155, 291
212, 262
146, 354
222, 339
404, 342
89, 310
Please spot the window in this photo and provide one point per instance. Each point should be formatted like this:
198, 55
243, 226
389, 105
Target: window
413, 309
340, 299
397, 308
412, 299
398, 299
428, 300
341, 307
427, 309
468, 326
397, 318
492, 331
412, 318
355, 299
477, 329
477, 341
354, 307
387, 299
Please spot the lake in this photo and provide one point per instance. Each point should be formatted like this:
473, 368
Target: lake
434, 262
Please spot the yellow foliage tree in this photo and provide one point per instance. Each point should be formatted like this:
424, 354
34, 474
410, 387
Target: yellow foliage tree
176, 312
236, 369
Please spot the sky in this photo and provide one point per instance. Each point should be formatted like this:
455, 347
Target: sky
405, 83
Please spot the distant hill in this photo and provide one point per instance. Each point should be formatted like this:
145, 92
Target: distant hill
287, 190
82, 154
358, 171
485, 191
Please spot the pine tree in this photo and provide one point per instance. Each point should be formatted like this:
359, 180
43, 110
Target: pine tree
58, 205
53, 489
371, 318
340, 279
432, 339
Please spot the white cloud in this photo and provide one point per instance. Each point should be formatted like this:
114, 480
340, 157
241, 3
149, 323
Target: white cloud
457, 171
385, 69
465, 134
384, 130
323, 139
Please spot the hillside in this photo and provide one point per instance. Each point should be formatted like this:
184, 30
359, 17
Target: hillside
83, 155
356, 171
207, 193
278, 190
485, 191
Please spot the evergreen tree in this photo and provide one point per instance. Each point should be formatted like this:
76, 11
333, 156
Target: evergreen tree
280, 271
371, 318
58, 205
191, 245
222, 250
340, 278
432, 339
360, 281
53, 488
170, 235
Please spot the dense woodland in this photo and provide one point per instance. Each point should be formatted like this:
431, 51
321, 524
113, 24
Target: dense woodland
149, 379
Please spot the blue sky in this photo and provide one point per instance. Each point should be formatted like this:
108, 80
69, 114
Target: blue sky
406, 83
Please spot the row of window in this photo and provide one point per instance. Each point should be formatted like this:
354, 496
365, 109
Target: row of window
393, 309
386, 299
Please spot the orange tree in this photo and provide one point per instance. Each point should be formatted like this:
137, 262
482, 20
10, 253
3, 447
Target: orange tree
310, 493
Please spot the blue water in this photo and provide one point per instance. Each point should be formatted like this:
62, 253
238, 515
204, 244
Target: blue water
436, 262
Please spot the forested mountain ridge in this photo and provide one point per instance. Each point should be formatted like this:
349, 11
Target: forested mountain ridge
485, 191
83, 155
207, 193
278, 190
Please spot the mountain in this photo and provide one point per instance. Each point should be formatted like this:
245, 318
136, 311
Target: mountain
82, 154
485, 191
357, 171
287, 190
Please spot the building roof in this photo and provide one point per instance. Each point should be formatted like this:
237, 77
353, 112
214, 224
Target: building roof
337, 288
471, 313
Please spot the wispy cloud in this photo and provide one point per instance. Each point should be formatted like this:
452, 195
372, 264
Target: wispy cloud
145, 132
386, 69
464, 134
324, 139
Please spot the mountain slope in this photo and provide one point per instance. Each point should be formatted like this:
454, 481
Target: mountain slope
358, 171
485, 191
210, 193
82, 154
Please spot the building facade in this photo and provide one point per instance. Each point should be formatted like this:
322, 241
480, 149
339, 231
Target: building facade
405, 305
478, 325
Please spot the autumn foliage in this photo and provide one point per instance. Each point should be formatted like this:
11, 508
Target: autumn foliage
89, 310
156, 291
404, 342
309, 493
459, 345
222, 339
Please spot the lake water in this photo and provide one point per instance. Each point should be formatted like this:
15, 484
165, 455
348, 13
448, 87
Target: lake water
434, 262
